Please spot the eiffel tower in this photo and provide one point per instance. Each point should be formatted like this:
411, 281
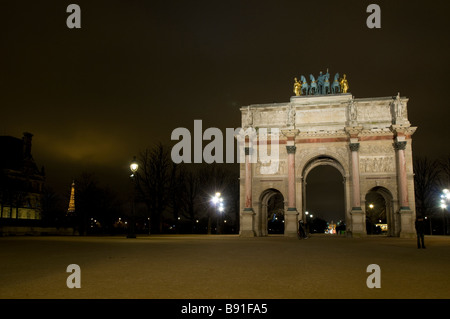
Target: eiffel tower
71, 209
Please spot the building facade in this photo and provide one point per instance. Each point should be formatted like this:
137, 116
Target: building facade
368, 140
21, 182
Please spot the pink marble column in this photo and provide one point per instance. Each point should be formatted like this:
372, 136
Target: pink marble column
248, 179
402, 181
356, 199
291, 176
247, 223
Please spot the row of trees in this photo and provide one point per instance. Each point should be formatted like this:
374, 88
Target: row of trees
169, 197
169, 194
183, 191
97, 207
431, 176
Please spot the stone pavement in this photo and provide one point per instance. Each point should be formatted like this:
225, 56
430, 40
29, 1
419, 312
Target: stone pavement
214, 266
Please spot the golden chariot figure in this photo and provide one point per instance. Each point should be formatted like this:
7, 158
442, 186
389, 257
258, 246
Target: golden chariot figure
344, 84
297, 87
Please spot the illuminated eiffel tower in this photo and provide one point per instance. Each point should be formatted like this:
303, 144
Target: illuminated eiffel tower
71, 209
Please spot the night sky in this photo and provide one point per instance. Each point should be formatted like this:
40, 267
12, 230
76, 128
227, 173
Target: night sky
136, 70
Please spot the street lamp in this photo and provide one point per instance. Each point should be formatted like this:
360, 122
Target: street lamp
134, 166
445, 198
217, 200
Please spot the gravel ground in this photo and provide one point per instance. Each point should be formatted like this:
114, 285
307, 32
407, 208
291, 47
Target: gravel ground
211, 267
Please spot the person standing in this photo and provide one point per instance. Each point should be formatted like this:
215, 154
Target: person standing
420, 227
301, 230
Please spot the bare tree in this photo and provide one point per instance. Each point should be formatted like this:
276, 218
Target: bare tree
444, 165
86, 201
190, 195
180, 190
96, 207
53, 211
426, 184
153, 182
177, 190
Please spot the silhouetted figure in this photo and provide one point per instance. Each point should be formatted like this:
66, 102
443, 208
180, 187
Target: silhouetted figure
301, 230
420, 227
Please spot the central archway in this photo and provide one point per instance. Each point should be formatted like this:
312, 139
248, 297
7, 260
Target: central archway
325, 200
331, 165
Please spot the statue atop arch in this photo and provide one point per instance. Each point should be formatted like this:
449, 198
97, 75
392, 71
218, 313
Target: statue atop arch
297, 87
344, 84
321, 86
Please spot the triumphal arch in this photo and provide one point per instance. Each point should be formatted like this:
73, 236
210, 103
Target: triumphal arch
368, 140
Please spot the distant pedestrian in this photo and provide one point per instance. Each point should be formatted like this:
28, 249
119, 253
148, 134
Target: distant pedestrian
301, 230
420, 227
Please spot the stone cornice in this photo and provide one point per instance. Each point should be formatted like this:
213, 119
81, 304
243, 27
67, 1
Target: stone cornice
401, 130
376, 132
322, 134
353, 131
290, 133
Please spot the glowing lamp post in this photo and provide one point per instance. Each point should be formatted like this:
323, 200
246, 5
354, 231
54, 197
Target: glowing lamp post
445, 198
134, 166
217, 200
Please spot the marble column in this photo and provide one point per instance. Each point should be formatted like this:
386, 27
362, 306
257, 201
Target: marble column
248, 178
291, 213
356, 193
358, 220
402, 179
291, 177
248, 215
358, 226
406, 214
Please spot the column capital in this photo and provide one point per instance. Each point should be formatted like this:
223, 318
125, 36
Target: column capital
401, 145
354, 147
291, 149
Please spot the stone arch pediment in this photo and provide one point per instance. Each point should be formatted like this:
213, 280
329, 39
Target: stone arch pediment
337, 158
382, 190
268, 192
387, 190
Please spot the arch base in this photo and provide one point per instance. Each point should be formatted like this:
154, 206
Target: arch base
291, 222
406, 219
247, 222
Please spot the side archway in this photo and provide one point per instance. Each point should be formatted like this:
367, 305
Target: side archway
379, 207
270, 219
